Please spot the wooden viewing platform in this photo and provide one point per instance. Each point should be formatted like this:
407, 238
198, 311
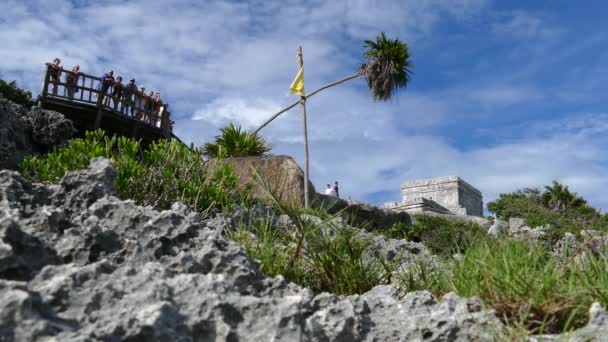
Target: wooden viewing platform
86, 108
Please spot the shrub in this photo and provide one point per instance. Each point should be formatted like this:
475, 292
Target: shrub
235, 142
165, 173
557, 206
11, 92
442, 236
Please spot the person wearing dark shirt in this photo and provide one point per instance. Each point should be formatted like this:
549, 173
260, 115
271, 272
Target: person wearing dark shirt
117, 92
54, 74
130, 90
336, 189
71, 79
106, 82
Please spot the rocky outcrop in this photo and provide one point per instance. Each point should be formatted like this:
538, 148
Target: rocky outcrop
280, 174
78, 264
361, 214
26, 131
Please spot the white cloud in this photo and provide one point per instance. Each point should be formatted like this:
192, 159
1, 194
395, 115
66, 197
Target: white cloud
525, 26
504, 95
218, 61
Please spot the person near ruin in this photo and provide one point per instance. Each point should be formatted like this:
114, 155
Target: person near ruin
106, 82
128, 94
55, 74
71, 80
336, 189
118, 91
330, 191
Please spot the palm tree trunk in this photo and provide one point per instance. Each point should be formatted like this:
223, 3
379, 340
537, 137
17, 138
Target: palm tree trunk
357, 75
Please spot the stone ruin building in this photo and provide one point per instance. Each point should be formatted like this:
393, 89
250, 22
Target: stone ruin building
443, 195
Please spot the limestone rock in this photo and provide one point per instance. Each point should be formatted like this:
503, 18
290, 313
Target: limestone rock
102, 269
25, 131
499, 228
282, 175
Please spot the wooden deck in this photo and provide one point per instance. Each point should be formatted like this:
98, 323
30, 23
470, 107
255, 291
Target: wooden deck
87, 110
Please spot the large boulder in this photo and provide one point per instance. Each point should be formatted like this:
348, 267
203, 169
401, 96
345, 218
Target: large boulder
26, 131
280, 174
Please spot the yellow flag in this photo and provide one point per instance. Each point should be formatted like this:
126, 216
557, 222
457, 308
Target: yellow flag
297, 86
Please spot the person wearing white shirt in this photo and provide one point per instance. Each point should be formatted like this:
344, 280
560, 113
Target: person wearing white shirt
330, 191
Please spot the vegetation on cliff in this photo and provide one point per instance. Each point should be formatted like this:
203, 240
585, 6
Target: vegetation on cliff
165, 173
236, 142
10, 91
556, 206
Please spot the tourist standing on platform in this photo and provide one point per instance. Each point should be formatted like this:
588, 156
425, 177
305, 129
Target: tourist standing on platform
55, 74
106, 82
336, 189
117, 92
149, 103
71, 79
130, 90
156, 106
164, 116
139, 102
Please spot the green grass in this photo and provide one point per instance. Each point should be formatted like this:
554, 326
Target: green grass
308, 253
524, 283
164, 173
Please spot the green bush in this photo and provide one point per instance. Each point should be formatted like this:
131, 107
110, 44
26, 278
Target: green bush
557, 206
235, 142
440, 235
166, 172
11, 92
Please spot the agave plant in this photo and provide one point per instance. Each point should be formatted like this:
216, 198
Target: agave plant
236, 142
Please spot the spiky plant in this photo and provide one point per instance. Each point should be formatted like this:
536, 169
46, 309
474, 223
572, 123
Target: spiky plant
236, 142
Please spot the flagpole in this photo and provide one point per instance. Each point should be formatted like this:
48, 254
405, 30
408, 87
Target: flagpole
303, 106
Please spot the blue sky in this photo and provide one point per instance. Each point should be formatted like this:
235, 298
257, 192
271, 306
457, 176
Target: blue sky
505, 94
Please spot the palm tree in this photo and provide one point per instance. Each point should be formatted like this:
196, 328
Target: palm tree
387, 68
235, 142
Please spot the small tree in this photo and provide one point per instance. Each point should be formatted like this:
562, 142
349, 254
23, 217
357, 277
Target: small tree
236, 142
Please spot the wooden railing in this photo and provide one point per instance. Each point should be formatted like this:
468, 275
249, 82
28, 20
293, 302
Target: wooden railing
88, 90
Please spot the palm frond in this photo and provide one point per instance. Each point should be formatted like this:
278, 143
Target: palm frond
388, 66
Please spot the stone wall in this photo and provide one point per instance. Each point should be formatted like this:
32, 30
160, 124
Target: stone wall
458, 196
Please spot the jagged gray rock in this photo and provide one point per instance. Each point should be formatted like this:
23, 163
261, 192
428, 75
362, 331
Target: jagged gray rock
26, 131
498, 229
116, 271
